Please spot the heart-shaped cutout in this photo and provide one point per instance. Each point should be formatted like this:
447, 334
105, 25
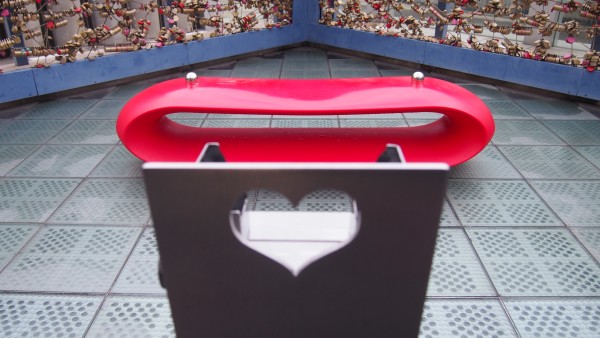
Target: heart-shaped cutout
323, 222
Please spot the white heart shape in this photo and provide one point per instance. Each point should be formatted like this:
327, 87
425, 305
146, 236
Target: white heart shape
295, 239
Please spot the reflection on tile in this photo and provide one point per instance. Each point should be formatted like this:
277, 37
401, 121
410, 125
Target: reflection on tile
119, 163
12, 155
536, 262
12, 239
577, 203
576, 132
487, 164
524, 133
590, 237
591, 153
486, 202
105, 201
62, 161
550, 162
88, 132
105, 110
507, 109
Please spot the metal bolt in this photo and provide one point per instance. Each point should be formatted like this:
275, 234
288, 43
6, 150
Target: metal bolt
418, 76
191, 77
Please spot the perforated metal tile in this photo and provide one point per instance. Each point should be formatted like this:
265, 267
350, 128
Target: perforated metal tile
546, 162
105, 201
119, 163
257, 68
242, 123
213, 72
590, 237
305, 117
62, 161
30, 131
464, 318
422, 116
448, 219
123, 316
287, 73
88, 132
576, 132
536, 262
364, 123
385, 116
524, 133
577, 203
32, 200
590, 153
304, 123
487, 164
190, 123
417, 122
353, 73
12, 239
306, 64
485, 92
352, 64
507, 109
104, 110
305, 54
12, 155
127, 91
236, 116
555, 317
57, 110
140, 274
455, 270
320, 200
70, 259
555, 110
43, 315
396, 72
513, 203
187, 116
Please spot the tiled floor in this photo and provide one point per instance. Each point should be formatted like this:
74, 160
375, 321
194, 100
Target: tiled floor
517, 253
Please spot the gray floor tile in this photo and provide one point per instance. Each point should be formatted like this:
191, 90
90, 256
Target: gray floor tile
384, 116
241, 123
591, 153
34, 199
237, 116
550, 162
127, 316
12, 238
305, 54
187, 116
585, 133
487, 202
58, 109
555, 110
507, 109
44, 315
364, 123
127, 91
140, 275
489, 163
12, 155
353, 73
485, 92
213, 72
577, 203
320, 200
30, 131
62, 161
287, 73
306, 64
561, 317
397, 72
257, 68
88, 132
590, 237
119, 163
456, 271
106, 201
524, 133
448, 219
536, 262
422, 116
105, 110
304, 123
418, 122
464, 318
70, 259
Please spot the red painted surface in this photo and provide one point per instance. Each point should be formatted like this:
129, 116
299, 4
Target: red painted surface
465, 129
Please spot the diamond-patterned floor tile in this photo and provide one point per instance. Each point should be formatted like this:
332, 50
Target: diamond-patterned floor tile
455, 270
105, 201
12, 239
140, 275
62, 161
422, 116
418, 122
257, 68
231, 123
590, 237
363, 123
303, 64
485, 92
12, 155
127, 316
486, 202
396, 72
585, 133
555, 110
561, 317
591, 153
304, 123
305, 54
44, 315
536, 262
577, 203
550, 162
32, 200
448, 219
524, 133
489, 163
58, 110
320, 200
464, 318
127, 91
119, 163
88, 132
70, 259
105, 110
287, 73
384, 116
507, 109
30, 131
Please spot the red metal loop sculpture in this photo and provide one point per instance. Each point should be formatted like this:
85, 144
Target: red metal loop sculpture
465, 129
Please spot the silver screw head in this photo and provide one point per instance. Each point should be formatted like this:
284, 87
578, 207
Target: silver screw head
191, 77
418, 76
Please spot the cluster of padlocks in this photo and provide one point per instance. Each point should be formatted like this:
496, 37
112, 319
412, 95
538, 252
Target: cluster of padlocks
130, 21
466, 20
